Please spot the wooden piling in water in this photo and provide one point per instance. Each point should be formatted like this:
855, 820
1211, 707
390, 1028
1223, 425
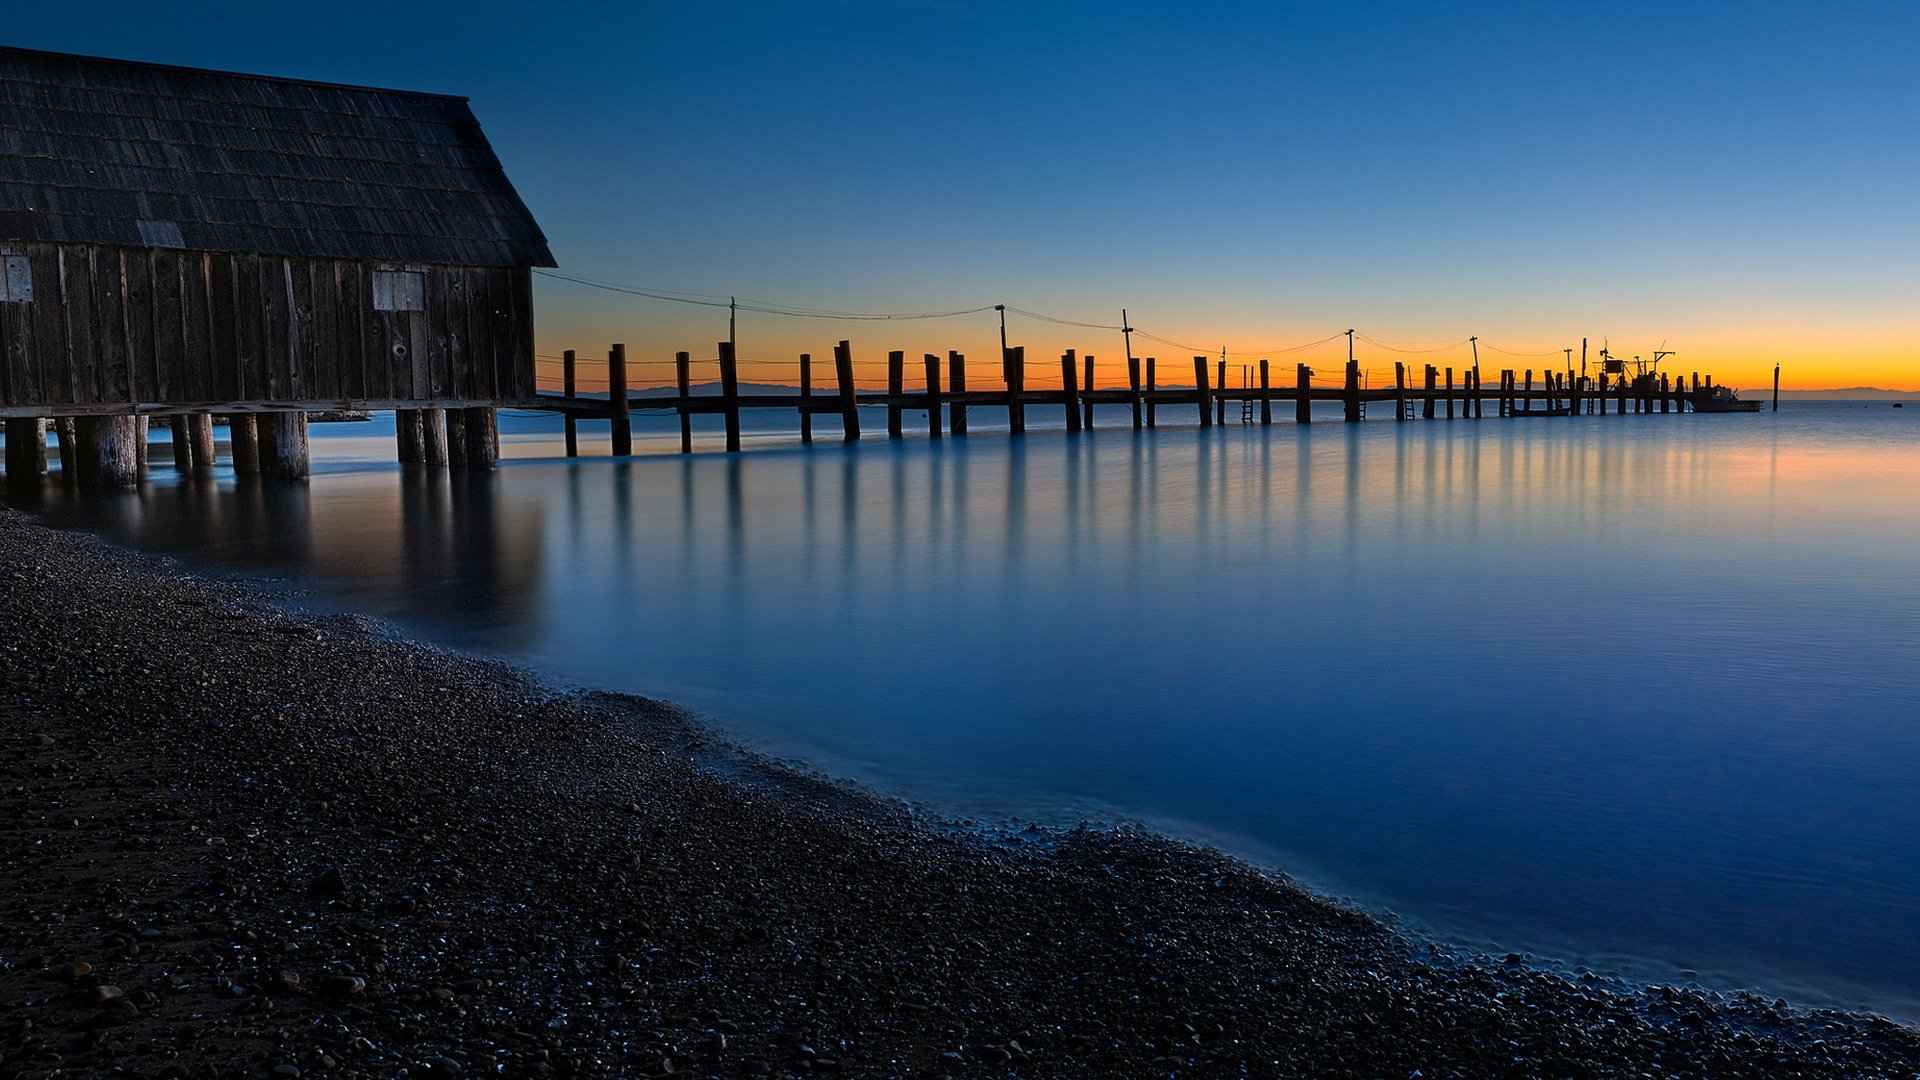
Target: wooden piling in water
1266, 396
1432, 379
183, 445
1070, 390
66, 431
933, 395
1133, 387
1220, 399
1200, 383
1450, 393
243, 443
107, 457
683, 383
283, 445
569, 388
1086, 402
617, 409
730, 394
199, 440
1352, 393
896, 385
1302, 394
433, 431
806, 391
1017, 386
1151, 387
483, 438
456, 422
26, 451
1399, 391
957, 384
849, 404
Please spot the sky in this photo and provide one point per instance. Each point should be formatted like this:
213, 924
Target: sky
1735, 182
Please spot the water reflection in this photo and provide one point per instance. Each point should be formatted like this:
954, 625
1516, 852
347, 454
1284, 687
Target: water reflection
1636, 685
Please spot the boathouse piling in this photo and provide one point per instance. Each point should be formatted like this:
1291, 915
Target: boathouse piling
569, 388
617, 408
957, 384
1070, 390
932, 362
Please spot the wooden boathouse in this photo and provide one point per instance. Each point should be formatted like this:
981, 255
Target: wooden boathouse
189, 243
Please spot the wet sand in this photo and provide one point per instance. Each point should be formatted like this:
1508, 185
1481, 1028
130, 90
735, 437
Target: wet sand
245, 841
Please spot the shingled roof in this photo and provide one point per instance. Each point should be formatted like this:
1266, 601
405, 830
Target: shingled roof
145, 155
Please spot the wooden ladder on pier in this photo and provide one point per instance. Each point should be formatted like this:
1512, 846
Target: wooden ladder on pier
1246, 410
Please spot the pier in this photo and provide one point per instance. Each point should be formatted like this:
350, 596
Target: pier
945, 394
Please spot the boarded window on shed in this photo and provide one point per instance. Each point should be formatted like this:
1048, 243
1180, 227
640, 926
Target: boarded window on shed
16, 280
161, 234
399, 290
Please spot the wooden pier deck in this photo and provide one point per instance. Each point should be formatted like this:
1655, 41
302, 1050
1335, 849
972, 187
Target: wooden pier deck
943, 395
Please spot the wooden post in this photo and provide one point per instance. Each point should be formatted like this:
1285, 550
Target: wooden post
1151, 387
283, 445
683, 383
1220, 399
1572, 387
410, 441
730, 394
1069, 390
483, 439
1399, 390
26, 451
199, 439
1086, 403
1302, 394
933, 395
1266, 395
617, 409
243, 443
1622, 391
183, 445
957, 384
142, 435
1529, 389
1479, 402
896, 377
1200, 388
67, 432
456, 422
106, 457
433, 436
849, 404
1353, 391
1666, 393
1133, 387
569, 388
1449, 394
806, 392
1017, 385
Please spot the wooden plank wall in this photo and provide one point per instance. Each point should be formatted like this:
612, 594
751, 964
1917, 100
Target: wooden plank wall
113, 326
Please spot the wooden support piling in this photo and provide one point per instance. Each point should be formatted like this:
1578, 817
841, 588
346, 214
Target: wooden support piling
1151, 387
243, 444
730, 394
410, 441
1133, 386
1220, 399
1433, 378
433, 431
1450, 392
806, 391
183, 445
106, 456
1016, 386
67, 432
199, 439
896, 385
933, 395
617, 409
569, 387
1666, 394
957, 384
1399, 390
1479, 403
1086, 403
1200, 383
26, 451
456, 423
1353, 392
1776, 388
1070, 390
483, 438
849, 404
1302, 394
1266, 395
283, 445
683, 383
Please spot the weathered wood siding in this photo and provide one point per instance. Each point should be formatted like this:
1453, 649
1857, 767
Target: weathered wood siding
135, 326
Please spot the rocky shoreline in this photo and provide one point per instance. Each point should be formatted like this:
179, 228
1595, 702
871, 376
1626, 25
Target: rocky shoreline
246, 842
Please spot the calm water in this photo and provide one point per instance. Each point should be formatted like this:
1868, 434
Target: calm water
1641, 693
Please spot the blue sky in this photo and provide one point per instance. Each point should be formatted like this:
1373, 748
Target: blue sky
1735, 179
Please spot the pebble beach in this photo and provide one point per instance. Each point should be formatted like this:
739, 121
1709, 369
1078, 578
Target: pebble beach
242, 840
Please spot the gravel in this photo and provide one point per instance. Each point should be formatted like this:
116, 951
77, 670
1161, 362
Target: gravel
242, 841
